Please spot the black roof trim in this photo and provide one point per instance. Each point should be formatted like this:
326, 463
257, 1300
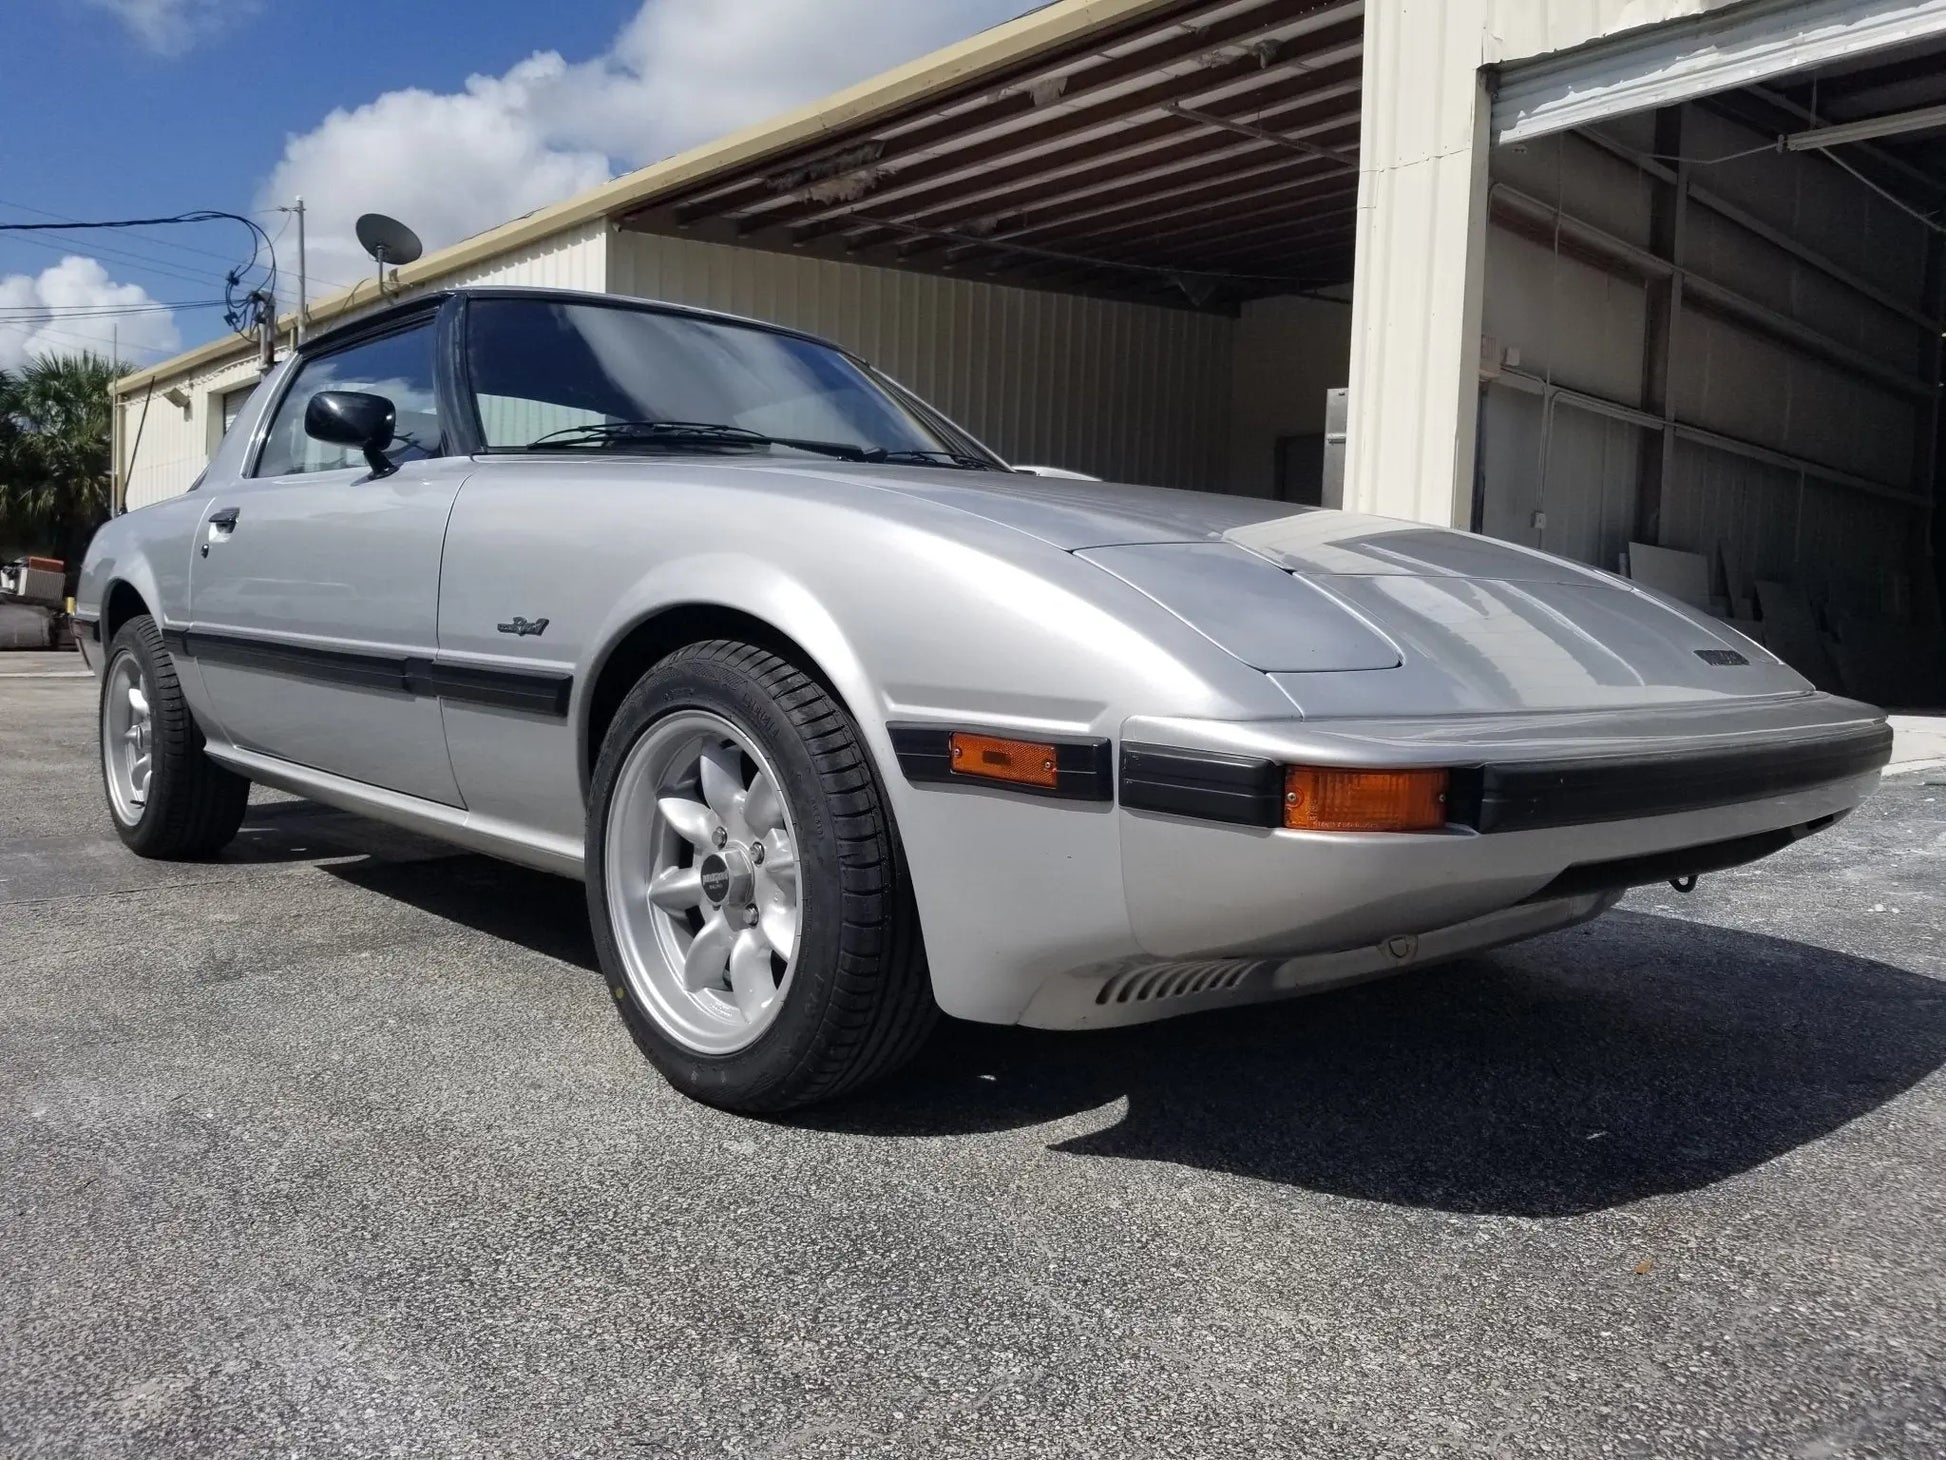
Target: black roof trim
430, 301
406, 311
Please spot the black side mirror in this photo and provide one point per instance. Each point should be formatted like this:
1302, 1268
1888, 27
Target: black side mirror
353, 418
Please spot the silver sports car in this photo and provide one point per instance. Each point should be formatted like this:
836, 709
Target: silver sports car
844, 721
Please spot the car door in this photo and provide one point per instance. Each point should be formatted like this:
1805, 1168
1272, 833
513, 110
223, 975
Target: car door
314, 585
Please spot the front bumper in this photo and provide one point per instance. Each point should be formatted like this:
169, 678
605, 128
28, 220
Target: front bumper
1572, 809
1551, 794
1142, 992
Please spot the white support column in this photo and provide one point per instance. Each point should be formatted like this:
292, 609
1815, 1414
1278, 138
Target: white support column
1416, 300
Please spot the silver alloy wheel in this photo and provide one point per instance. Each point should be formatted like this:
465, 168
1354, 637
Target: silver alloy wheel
702, 882
127, 737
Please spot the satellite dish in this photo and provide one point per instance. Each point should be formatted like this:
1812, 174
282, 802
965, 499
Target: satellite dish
388, 241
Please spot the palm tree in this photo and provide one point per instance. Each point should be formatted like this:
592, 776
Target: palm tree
55, 487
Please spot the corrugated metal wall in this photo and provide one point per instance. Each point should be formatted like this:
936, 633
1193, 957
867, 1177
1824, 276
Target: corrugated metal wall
1423, 162
1578, 315
163, 453
577, 259
1124, 391
1520, 29
166, 446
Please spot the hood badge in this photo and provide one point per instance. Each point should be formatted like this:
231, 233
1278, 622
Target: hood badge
523, 628
1721, 658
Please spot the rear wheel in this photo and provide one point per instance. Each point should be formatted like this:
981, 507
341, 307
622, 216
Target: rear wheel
166, 797
749, 901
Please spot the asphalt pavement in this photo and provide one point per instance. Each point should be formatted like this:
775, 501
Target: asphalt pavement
333, 1147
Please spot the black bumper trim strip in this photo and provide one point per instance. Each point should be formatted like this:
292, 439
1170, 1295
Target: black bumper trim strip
1534, 796
538, 692
1083, 765
1237, 790
1242, 790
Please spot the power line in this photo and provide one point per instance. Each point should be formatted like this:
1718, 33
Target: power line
109, 306
74, 246
203, 215
64, 219
32, 315
89, 342
245, 310
170, 268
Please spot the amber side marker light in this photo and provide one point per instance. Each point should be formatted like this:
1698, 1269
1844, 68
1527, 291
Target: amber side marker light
1317, 799
1019, 762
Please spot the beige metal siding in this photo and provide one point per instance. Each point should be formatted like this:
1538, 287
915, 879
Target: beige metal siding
577, 259
1421, 244
1827, 490
1124, 391
165, 446
1519, 29
162, 454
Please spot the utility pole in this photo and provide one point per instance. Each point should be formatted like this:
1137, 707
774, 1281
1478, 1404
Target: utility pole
303, 280
115, 494
301, 319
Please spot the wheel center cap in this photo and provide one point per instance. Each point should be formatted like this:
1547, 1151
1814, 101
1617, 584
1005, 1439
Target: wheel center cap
728, 877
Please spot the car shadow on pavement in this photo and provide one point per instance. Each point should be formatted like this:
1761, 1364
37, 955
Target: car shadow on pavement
1636, 1056
547, 915
303, 831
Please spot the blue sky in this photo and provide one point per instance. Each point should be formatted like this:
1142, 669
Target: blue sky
454, 117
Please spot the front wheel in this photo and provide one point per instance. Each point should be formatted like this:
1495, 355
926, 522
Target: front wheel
166, 797
749, 901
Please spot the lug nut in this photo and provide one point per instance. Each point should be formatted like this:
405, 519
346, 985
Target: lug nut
757, 854
720, 837
750, 916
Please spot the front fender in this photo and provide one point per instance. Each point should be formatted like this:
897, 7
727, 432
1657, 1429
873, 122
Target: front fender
737, 583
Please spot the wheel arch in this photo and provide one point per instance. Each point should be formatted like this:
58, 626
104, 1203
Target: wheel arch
653, 636
120, 603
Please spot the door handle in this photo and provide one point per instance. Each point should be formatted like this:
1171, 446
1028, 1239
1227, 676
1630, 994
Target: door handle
221, 524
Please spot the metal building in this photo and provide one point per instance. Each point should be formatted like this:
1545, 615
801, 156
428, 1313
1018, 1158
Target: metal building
1643, 282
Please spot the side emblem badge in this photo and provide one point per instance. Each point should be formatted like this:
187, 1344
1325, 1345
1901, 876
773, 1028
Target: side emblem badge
522, 628
1721, 658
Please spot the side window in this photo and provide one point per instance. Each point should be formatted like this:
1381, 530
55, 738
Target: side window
396, 366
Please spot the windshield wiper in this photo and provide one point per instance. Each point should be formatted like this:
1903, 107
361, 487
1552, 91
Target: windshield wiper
918, 457
688, 433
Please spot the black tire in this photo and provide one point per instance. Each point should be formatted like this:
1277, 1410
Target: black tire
859, 1003
194, 806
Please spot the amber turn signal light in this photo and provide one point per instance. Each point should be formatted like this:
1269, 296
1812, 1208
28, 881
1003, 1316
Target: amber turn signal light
1018, 762
1317, 799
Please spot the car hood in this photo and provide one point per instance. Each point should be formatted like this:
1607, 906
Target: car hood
1321, 598
1077, 515
1351, 614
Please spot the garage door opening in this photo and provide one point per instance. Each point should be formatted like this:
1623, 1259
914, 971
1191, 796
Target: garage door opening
1712, 357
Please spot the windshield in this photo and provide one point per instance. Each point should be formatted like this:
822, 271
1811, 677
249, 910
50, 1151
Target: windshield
555, 376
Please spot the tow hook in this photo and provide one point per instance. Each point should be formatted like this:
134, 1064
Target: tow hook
1684, 884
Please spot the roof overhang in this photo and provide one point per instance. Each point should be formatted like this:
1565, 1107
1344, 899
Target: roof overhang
1191, 153
1174, 151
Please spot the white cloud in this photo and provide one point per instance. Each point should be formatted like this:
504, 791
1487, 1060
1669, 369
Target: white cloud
680, 72
170, 27
59, 312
